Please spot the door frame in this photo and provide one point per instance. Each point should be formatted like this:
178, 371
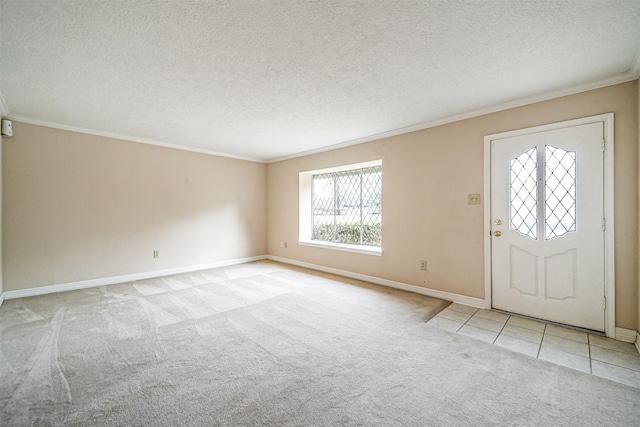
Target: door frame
609, 233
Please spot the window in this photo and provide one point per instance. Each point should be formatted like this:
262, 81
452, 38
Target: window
341, 207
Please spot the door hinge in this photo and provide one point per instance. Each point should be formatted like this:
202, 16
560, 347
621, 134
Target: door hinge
604, 303
604, 224
604, 145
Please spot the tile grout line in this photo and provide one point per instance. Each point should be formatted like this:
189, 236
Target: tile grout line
590, 360
467, 321
617, 366
544, 331
610, 349
611, 363
501, 329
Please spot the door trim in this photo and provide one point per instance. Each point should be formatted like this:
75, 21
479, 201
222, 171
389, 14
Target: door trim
609, 233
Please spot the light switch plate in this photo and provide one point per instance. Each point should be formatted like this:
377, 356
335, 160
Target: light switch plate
473, 199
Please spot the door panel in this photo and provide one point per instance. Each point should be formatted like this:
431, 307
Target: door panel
547, 207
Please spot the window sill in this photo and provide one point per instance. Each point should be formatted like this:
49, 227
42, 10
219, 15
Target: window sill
367, 250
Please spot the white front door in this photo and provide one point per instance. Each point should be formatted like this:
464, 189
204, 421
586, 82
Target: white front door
547, 225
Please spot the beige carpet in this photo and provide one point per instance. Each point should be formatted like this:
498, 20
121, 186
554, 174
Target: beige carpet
265, 344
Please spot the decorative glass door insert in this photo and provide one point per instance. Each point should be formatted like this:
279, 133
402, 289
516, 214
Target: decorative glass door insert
555, 169
560, 192
523, 188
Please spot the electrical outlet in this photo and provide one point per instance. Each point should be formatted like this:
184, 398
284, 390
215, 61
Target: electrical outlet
156, 254
283, 244
423, 265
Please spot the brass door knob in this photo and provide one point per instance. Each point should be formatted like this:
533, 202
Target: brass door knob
497, 233
498, 222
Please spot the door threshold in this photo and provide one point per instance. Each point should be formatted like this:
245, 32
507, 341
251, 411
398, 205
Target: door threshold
563, 325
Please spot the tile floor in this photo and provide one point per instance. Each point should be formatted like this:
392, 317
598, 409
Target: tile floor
590, 353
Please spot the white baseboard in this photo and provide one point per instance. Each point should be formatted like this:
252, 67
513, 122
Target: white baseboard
1, 299
626, 335
638, 341
63, 287
461, 299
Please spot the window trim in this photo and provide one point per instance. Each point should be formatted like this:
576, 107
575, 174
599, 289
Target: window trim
305, 216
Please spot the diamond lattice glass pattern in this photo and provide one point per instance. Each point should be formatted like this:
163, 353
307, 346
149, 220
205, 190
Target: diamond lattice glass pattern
523, 186
560, 192
347, 206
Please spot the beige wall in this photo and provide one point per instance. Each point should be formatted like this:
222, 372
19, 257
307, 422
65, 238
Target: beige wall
427, 176
79, 207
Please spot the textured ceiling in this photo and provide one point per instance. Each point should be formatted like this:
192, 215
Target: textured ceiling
268, 79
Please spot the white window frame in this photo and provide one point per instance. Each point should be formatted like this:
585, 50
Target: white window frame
306, 211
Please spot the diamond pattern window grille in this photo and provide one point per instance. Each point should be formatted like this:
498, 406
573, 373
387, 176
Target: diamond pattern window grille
347, 206
523, 186
560, 192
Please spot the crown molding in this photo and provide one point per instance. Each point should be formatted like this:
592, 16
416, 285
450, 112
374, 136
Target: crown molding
631, 74
4, 110
38, 122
